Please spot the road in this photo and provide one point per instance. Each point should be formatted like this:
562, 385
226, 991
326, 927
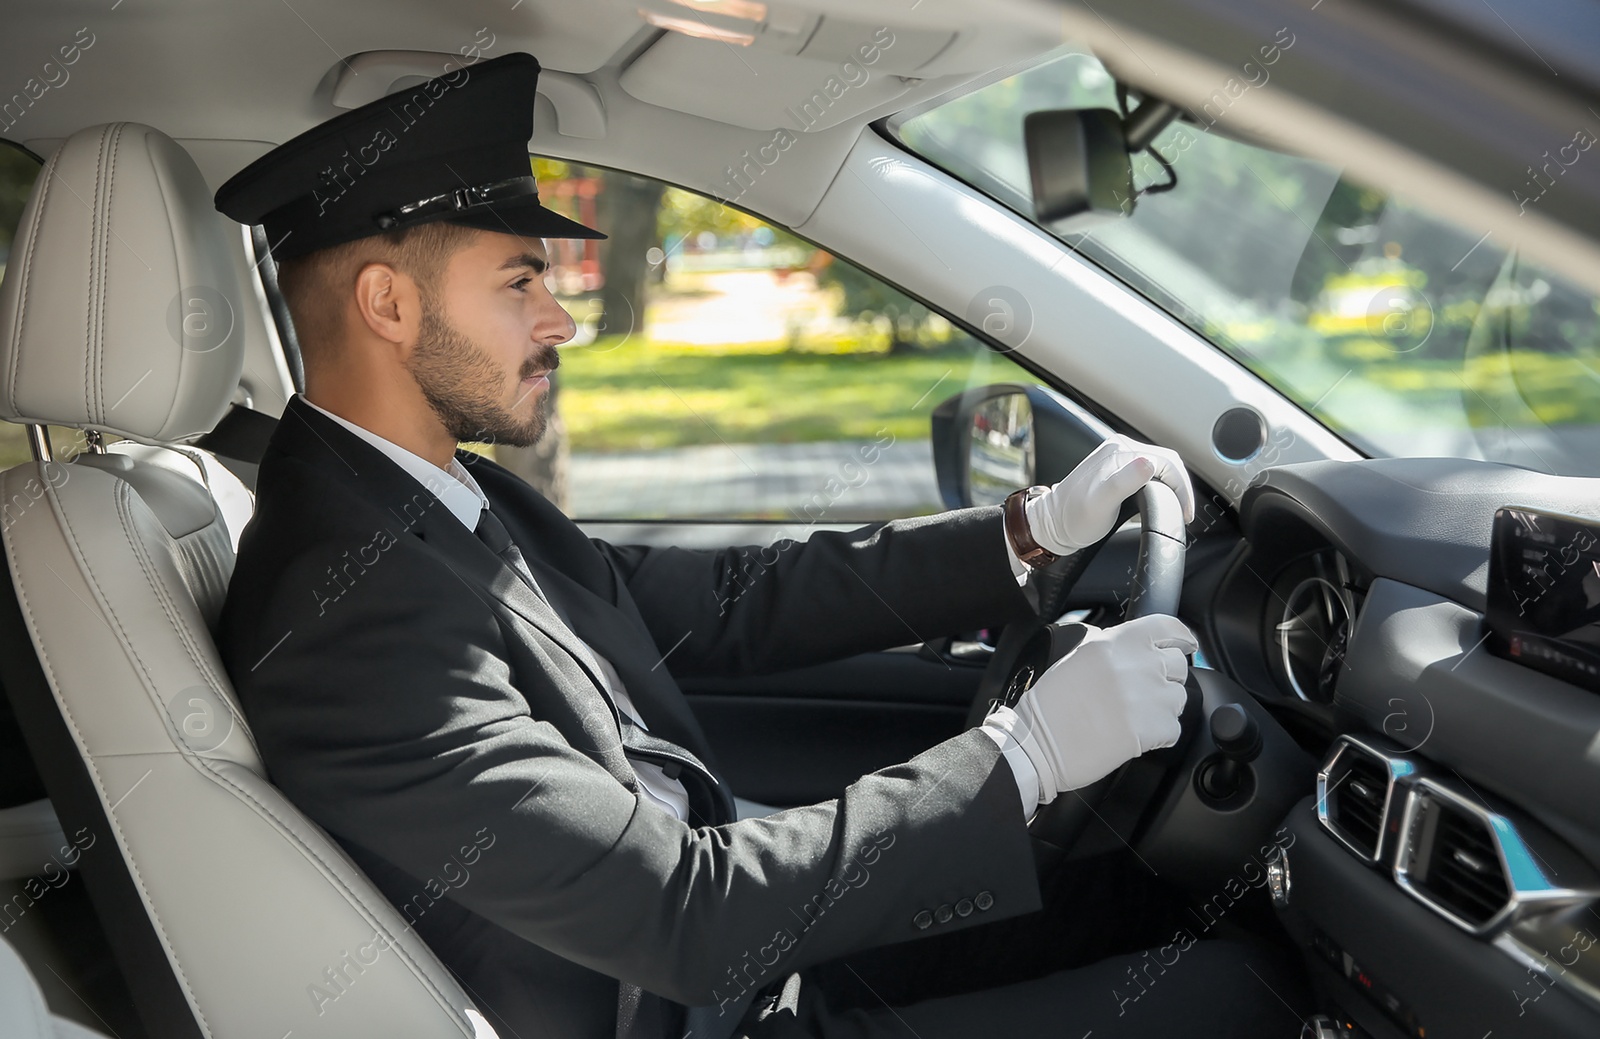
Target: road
830, 481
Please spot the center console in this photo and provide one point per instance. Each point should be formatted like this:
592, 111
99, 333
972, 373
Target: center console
1424, 909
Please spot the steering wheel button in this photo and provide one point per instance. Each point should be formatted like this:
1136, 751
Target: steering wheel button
943, 913
964, 907
923, 920
983, 901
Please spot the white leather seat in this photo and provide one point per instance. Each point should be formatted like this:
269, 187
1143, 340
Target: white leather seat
230, 913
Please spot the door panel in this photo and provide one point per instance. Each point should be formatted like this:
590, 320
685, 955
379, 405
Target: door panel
802, 736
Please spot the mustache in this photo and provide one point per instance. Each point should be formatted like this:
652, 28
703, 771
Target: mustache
547, 359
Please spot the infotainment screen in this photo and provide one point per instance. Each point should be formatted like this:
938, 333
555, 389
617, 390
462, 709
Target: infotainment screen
1544, 593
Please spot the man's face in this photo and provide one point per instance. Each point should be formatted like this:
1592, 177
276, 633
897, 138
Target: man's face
487, 342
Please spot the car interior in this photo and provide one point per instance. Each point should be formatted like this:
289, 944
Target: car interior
1392, 744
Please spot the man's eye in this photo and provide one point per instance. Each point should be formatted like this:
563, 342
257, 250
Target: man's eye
521, 284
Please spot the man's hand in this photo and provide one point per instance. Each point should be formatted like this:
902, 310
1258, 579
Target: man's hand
1116, 695
1083, 507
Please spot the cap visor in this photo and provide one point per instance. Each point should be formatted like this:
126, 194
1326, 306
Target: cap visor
519, 217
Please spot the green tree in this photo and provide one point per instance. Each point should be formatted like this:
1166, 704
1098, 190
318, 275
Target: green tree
866, 300
627, 214
684, 214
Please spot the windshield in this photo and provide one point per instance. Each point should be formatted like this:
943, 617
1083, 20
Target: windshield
1404, 333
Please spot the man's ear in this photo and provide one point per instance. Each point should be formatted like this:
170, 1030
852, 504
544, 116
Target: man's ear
389, 303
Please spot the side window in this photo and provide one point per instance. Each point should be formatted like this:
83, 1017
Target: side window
18, 170
724, 369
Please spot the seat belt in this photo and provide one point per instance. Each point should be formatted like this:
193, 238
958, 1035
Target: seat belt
240, 440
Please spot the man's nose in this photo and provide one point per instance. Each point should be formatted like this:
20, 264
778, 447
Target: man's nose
553, 325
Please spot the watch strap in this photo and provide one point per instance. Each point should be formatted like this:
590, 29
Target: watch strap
1029, 551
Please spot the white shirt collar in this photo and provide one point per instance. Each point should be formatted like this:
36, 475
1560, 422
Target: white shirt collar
454, 487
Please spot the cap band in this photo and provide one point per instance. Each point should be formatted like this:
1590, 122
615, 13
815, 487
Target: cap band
456, 201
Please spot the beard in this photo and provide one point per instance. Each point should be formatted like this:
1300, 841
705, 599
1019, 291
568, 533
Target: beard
463, 385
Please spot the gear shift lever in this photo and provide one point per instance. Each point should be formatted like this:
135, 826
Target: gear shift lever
1238, 740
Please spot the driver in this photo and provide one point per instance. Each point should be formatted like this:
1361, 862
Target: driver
480, 703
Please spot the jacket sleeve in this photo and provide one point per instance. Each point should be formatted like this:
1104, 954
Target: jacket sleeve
763, 608
394, 720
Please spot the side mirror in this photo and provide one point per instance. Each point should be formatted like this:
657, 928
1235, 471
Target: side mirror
1000, 454
991, 440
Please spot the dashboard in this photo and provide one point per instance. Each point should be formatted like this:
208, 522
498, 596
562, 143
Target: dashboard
1443, 879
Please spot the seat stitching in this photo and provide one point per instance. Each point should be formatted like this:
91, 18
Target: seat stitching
170, 607
355, 901
123, 495
89, 761
94, 584
27, 275
194, 760
124, 498
96, 257
105, 286
172, 208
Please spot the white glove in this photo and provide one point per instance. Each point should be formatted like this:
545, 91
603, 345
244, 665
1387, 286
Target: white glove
1083, 507
1118, 694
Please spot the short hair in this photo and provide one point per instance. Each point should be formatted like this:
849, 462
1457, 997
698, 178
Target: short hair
316, 286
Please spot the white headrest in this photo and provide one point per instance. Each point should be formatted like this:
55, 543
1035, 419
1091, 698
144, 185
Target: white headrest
120, 310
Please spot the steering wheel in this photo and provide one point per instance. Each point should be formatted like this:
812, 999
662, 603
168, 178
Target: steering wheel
1027, 648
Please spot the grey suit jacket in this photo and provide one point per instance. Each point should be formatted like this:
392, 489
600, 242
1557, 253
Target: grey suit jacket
425, 707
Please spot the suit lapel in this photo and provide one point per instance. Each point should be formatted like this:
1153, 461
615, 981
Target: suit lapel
571, 570
639, 662
475, 563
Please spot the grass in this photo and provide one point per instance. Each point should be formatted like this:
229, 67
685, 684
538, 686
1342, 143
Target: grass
640, 395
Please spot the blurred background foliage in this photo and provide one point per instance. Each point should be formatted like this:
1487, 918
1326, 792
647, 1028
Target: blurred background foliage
716, 327
1404, 332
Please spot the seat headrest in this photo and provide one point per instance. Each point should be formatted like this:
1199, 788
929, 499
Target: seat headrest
121, 308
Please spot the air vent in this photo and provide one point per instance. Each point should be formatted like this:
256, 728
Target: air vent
1354, 792
1356, 804
1463, 871
1450, 860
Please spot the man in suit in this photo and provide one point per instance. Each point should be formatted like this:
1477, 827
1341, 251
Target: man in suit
480, 703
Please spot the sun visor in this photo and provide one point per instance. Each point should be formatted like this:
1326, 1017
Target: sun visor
759, 89
364, 78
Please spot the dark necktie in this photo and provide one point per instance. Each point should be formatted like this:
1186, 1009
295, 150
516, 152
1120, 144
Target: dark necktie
494, 534
640, 1014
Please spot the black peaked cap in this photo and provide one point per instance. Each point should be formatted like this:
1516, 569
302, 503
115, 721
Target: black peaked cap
453, 148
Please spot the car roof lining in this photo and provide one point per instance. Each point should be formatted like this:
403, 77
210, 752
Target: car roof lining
144, 66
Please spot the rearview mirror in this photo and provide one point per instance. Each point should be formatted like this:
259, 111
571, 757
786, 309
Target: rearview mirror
1080, 161
1079, 166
